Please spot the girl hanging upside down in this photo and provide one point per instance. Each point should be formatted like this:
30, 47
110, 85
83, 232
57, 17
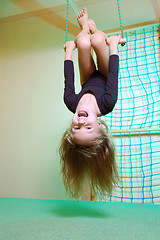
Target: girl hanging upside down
87, 151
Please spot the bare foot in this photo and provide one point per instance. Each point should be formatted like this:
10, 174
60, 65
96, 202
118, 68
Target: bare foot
93, 29
82, 19
92, 26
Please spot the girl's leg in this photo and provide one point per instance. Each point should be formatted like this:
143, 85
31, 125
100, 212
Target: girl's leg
85, 60
98, 42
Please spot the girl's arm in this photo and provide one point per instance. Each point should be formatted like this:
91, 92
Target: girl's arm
110, 97
69, 47
113, 42
69, 90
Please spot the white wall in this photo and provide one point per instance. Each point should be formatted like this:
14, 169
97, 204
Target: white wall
33, 116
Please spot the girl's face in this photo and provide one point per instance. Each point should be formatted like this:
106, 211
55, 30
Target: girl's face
85, 127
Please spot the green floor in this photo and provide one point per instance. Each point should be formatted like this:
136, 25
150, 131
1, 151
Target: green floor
28, 219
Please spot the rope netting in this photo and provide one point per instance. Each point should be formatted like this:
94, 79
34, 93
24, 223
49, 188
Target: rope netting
135, 121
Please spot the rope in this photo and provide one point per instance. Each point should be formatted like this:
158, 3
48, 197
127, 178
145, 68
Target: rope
67, 16
120, 21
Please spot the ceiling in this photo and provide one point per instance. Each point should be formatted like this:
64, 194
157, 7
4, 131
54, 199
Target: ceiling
104, 12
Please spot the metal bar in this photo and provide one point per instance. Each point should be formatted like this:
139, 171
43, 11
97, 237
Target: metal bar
136, 131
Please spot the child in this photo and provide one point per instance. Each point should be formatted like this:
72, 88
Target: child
86, 151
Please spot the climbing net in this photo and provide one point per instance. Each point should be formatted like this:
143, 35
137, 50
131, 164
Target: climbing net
135, 121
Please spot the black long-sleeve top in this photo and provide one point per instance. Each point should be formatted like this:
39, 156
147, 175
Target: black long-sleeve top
104, 90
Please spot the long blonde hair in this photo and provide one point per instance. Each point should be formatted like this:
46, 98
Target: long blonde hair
95, 162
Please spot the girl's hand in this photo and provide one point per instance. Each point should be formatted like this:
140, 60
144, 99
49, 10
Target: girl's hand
113, 44
113, 40
70, 45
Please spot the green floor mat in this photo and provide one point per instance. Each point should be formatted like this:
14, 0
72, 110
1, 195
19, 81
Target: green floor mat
32, 219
